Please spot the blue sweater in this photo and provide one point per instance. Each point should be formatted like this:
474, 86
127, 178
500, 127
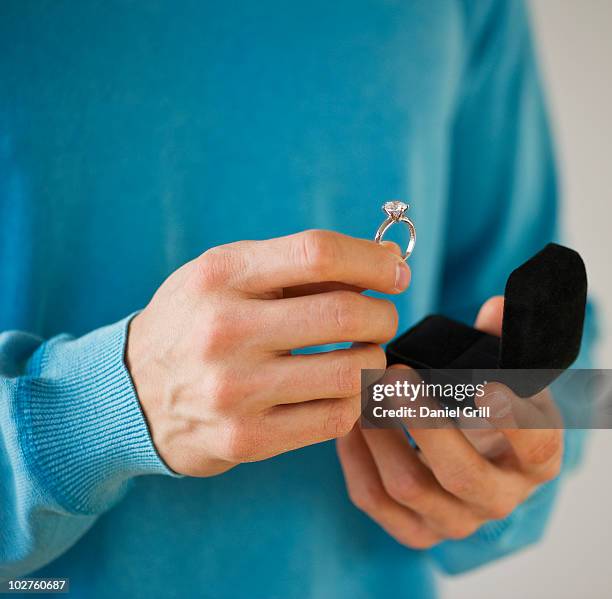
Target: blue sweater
132, 134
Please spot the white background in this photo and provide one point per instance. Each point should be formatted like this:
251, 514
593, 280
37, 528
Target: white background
574, 560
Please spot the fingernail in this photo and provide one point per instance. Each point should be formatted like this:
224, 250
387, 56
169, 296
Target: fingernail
500, 405
402, 276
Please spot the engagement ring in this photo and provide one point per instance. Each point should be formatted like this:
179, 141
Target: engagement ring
395, 211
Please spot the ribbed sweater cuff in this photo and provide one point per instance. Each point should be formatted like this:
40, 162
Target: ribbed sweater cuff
82, 428
499, 538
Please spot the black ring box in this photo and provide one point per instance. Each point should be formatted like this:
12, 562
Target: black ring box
544, 307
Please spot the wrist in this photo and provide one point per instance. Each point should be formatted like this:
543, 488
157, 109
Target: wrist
85, 435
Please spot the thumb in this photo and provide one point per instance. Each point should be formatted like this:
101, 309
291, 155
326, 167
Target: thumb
489, 319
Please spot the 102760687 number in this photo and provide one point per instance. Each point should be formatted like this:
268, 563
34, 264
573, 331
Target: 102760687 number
35, 585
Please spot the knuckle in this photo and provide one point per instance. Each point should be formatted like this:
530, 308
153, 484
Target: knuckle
238, 442
216, 334
348, 377
547, 450
344, 312
214, 267
461, 530
554, 469
551, 470
376, 358
222, 328
500, 509
421, 540
367, 498
317, 250
407, 490
340, 419
221, 391
349, 367
463, 480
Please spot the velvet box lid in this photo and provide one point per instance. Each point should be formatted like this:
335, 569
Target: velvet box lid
545, 301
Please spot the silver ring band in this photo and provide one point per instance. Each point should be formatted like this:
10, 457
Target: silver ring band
391, 221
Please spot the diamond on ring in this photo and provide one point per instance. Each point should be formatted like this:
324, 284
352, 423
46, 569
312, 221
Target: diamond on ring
395, 209
396, 214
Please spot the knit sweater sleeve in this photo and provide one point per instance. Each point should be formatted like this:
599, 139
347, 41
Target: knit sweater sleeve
72, 437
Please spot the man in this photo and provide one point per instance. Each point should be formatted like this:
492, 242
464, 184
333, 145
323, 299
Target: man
184, 451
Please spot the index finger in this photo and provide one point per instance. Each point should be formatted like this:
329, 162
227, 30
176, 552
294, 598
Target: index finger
319, 256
